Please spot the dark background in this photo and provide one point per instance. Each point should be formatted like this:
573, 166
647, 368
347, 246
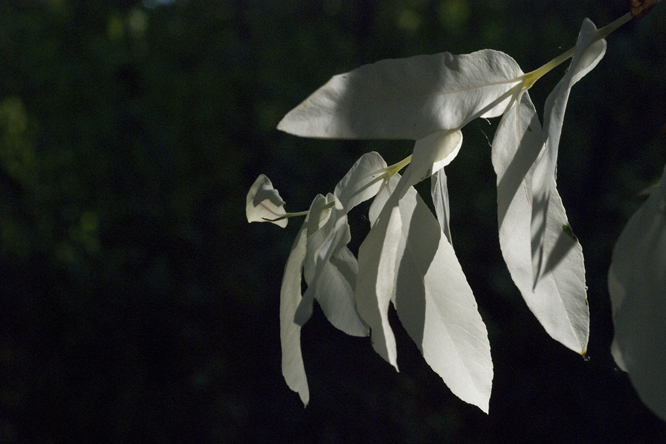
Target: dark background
138, 305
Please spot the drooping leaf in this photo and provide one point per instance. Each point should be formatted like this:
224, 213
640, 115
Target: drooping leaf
263, 203
559, 299
407, 98
436, 306
330, 268
637, 287
378, 258
382, 197
588, 52
318, 230
342, 312
293, 369
375, 283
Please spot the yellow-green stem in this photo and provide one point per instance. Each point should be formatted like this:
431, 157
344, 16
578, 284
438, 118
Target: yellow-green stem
301, 213
288, 215
603, 32
393, 169
533, 76
529, 79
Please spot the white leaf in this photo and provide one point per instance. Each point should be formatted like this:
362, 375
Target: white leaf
376, 278
293, 369
559, 299
362, 181
407, 98
318, 230
436, 306
406, 258
375, 284
330, 269
587, 54
637, 286
263, 203
382, 197
336, 294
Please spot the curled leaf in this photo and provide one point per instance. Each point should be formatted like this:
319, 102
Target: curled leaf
377, 276
264, 204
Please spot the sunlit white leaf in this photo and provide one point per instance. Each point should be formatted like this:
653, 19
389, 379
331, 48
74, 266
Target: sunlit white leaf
436, 306
378, 253
263, 203
637, 286
588, 53
376, 278
382, 197
293, 369
330, 268
559, 299
318, 230
341, 271
361, 182
407, 98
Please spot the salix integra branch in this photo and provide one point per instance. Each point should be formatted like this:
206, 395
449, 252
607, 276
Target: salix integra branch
407, 258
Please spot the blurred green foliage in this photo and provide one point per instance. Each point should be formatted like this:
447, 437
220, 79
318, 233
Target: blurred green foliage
137, 304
